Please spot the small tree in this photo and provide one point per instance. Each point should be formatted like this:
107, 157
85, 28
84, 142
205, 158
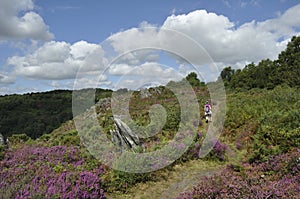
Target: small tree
226, 75
193, 79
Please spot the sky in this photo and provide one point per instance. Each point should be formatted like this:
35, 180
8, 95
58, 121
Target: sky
73, 44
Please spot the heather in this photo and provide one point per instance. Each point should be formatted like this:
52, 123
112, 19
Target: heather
49, 172
277, 177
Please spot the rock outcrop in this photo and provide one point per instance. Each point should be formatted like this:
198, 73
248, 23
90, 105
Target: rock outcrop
123, 136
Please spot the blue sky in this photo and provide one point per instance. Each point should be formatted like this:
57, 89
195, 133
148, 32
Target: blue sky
49, 44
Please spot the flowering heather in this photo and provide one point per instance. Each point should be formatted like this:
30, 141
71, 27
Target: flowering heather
48, 172
278, 177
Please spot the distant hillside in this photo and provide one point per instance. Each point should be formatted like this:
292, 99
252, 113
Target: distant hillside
37, 113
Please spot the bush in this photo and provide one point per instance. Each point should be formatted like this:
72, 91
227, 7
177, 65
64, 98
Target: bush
218, 152
18, 139
121, 181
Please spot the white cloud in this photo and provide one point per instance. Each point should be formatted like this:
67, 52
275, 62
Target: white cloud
289, 20
90, 81
29, 25
59, 60
149, 73
224, 41
147, 69
133, 39
137, 57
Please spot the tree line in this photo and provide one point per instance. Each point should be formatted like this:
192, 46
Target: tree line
267, 74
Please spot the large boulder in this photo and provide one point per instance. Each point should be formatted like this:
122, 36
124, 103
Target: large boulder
123, 136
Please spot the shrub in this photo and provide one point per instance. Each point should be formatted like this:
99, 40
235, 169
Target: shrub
218, 151
122, 181
18, 139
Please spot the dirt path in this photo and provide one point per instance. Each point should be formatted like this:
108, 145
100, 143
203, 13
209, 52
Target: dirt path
182, 178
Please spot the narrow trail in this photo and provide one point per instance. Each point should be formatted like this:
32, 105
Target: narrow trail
182, 178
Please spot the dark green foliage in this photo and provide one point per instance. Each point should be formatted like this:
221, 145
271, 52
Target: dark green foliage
288, 64
37, 113
226, 75
193, 79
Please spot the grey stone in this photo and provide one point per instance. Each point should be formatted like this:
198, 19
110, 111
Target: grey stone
123, 136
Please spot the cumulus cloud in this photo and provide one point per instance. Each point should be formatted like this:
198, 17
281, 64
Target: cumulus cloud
90, 81
16, 25
59, 60
222, 39
137, 57
146, 69
148, 73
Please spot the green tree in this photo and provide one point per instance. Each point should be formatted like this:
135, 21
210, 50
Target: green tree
227, 73
264, 73
193, 79
288, 64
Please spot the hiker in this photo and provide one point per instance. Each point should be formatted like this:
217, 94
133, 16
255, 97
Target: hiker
207, 111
